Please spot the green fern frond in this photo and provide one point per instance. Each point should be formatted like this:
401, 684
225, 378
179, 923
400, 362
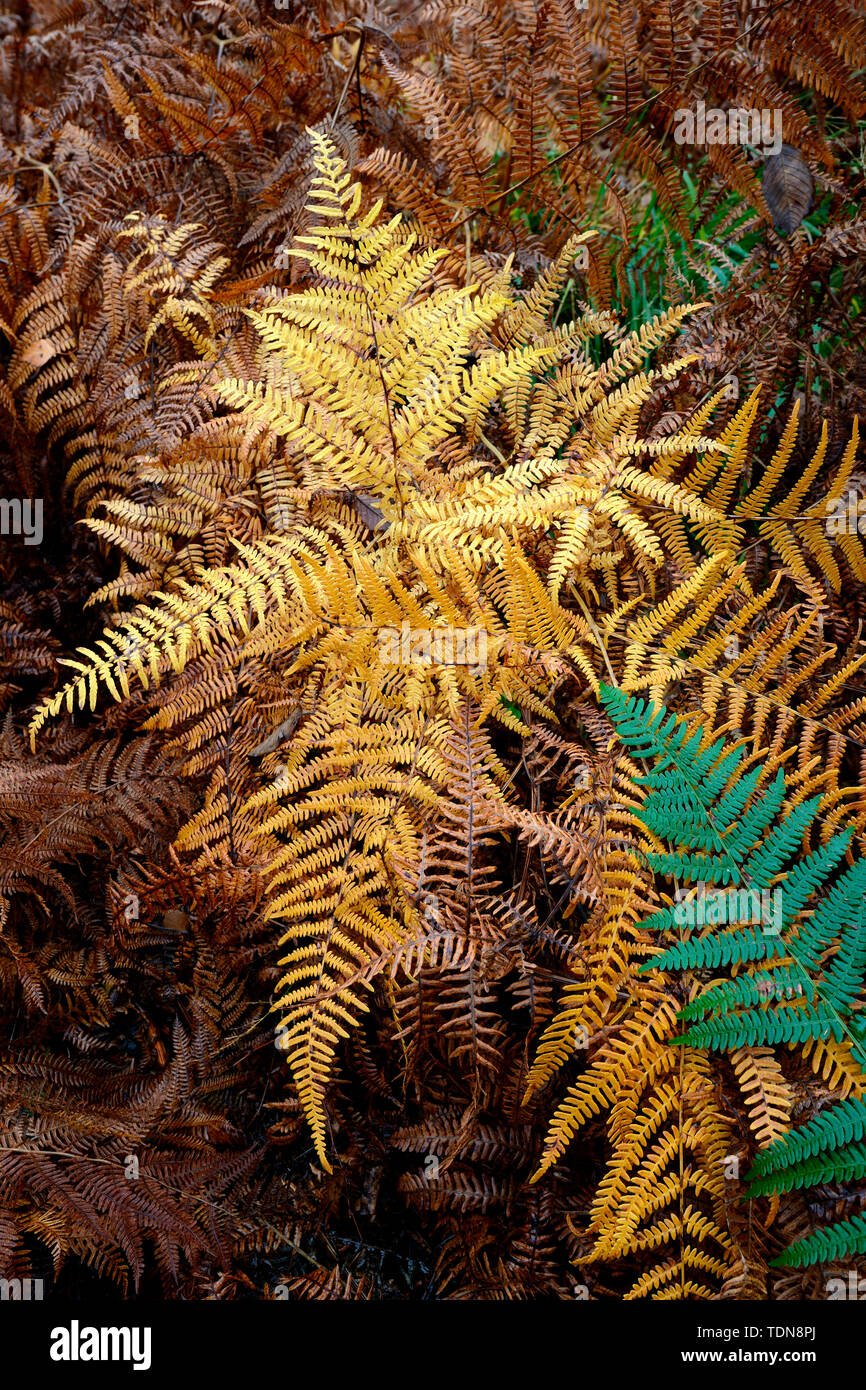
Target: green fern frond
835, 1128
833, 1243
807, 960
805, 967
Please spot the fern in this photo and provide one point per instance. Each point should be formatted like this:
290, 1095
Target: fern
843, 1240
806, 966
803, 980
278, 429
831, 1148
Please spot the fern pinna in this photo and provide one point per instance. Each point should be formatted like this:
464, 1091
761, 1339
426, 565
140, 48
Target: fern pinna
831, 1148
798, 932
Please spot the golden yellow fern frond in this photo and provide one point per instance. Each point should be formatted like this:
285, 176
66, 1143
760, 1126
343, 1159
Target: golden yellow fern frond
459, 602
638, 1046
768, 1097
174, 275
664, 1188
